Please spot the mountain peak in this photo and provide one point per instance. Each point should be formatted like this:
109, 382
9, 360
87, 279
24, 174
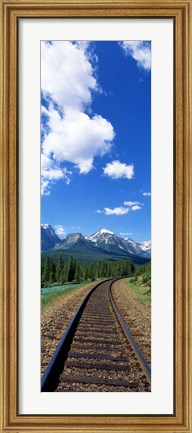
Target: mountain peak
105, 231
103, 239
48, 237
46, 226
103, 236
102, 233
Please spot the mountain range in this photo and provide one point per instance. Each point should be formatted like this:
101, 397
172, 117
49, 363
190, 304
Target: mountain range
101, 245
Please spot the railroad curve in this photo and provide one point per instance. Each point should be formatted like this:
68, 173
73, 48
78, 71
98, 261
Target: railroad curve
97, 351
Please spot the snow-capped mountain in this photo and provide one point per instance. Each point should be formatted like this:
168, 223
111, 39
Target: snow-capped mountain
103, 233
104, 237
103, 240
146, 246
141, 248
107, 240
48, 237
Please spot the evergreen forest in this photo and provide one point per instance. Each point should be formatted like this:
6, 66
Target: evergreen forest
58, 271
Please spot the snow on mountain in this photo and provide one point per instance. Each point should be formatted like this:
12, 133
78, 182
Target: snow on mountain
146, 245
100, 236
104, 239
141, 248
106, 231
49, 229
48, 237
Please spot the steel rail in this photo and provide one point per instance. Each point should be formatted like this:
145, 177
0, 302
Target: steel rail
50, 378
145, 366
51, 375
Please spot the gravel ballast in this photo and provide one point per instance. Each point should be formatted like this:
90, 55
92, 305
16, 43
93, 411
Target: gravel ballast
136, 314
55, 319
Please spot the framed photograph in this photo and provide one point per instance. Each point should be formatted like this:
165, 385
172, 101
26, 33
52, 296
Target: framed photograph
95, 216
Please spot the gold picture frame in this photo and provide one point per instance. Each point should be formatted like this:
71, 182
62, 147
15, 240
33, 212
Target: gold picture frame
11, 12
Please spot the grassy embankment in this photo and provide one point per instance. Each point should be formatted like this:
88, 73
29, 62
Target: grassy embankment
141, 283
48, 298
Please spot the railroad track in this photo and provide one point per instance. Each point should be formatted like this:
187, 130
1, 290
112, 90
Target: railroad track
97, 351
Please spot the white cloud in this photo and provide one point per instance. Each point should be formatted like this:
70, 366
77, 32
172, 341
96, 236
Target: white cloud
55, 174
67, 75
136, 207
75, 227
140, 51
131, 203
116, 211
117, 170
45, 187
70, 134
121, 210
77, 138
60, 230
50, 173
147, 194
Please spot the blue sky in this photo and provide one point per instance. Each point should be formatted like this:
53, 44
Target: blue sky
96, 137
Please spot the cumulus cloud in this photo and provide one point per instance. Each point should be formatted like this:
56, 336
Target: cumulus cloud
116, 211
45, 187
117, 170
77, 138
69, 134
136, 207
140, 51
67, 75
122, 210
60, 231
147, 194
131, 203
50, 173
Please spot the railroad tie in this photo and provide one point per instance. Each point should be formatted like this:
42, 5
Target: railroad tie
97, 366
98, 381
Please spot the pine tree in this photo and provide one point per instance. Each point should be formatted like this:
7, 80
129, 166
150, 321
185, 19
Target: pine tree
71, 268
64, 275
59, 269
52, 271
46, 277
77, 272
86, 273
91, 272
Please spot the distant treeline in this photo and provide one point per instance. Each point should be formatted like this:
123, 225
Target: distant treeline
60, 271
